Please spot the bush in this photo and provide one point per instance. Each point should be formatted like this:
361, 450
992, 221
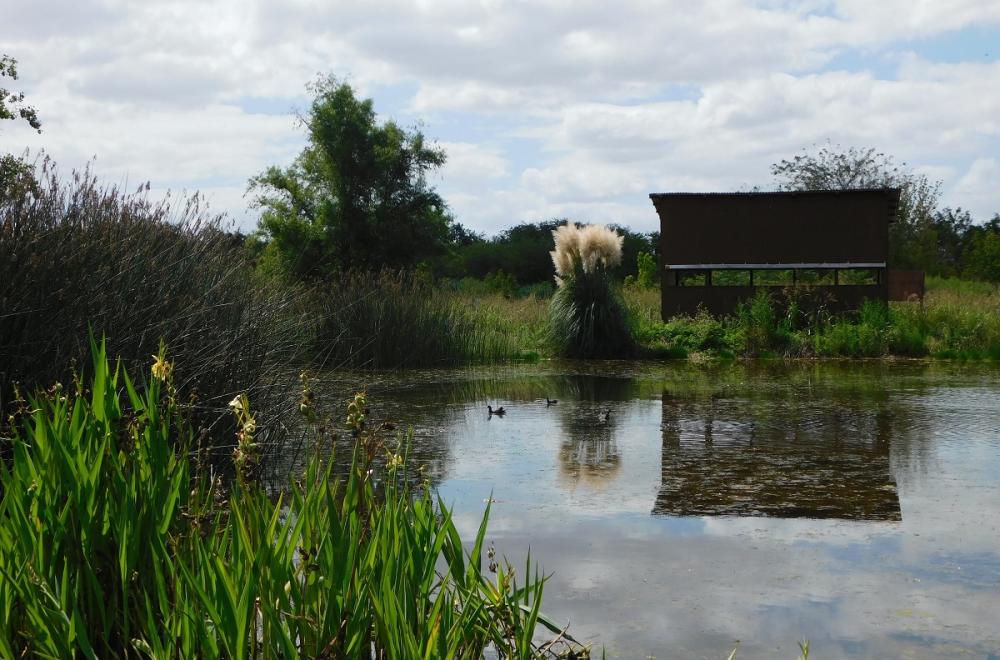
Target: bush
757, 320
588, 317
701, 332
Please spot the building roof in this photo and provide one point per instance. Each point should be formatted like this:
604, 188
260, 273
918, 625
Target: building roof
892, 193
766, 193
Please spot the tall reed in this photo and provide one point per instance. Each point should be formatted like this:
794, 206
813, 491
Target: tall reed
77, 256
395, 319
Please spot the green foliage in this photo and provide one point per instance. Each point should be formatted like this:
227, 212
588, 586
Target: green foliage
502, 283
960, 319
12, 105
357, 196
75, 255
17, 179
113, 543
762, 327
647, 275
983, 261
588, 319
393, 320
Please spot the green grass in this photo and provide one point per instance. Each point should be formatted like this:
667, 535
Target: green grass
397, 320
115, 542
958, 320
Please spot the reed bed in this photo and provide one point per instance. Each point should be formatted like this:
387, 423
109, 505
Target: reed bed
115, 541
76, 257
397, 320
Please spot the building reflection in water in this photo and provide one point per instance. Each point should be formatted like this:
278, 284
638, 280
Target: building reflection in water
776, 456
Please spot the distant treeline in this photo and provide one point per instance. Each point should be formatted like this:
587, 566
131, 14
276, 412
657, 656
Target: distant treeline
523, 252
948, 244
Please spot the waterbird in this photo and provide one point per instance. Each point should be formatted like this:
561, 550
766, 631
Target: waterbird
604, 417
500, 412
550, 402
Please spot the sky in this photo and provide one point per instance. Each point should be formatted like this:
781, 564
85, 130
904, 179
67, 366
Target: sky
545, 109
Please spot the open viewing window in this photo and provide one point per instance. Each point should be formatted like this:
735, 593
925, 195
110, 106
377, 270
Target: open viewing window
731, 278
692, 278
858, 276
776, 276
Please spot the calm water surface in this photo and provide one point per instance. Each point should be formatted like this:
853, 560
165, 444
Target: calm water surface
856, 505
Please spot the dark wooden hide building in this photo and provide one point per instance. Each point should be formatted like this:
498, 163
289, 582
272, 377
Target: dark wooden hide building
717, 249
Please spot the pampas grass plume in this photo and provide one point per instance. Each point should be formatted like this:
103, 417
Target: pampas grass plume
586, 248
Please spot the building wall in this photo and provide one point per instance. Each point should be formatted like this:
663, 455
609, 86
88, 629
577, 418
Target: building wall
822, 227
808, 227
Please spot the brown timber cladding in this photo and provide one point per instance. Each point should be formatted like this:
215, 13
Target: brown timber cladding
771, 230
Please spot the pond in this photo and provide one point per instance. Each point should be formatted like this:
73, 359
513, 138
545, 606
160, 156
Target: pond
684, 509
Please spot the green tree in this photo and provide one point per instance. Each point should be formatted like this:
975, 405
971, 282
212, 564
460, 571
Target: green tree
647, 271
913, 237
982, 258
12, 105
357, 196
953, 228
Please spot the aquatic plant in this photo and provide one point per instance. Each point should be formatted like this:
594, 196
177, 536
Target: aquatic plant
587, 315
115, 542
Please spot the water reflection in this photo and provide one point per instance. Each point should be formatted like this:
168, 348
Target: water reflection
765, 454
853, 504
589, 454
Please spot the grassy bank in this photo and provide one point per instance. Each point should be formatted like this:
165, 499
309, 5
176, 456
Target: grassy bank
399, 320
958, 320
116, 541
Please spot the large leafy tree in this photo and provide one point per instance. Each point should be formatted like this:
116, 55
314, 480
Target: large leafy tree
357, 197
912, 238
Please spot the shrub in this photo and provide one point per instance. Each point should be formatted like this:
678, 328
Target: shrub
701, 332
588, 317
760, 325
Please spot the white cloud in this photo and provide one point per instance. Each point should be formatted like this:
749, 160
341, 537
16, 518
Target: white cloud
616, 101
471, 163
979, 189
